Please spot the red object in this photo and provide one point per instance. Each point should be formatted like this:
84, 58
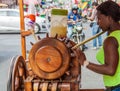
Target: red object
76, 1
31, 17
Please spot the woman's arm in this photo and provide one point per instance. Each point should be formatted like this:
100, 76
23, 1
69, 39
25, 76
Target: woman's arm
111, 58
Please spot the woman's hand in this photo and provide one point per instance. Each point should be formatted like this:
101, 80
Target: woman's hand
80, 55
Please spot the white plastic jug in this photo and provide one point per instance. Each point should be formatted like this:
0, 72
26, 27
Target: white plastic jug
58, 22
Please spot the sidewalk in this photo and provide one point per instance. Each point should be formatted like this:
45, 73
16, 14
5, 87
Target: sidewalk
90, 79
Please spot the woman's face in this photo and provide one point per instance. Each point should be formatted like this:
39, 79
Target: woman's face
103, 21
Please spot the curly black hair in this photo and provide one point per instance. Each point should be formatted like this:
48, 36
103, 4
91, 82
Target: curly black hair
110, 8
94, 4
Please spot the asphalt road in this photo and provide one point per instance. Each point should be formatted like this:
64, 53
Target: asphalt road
10, 46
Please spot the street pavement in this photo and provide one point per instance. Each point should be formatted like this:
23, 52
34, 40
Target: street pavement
90, 79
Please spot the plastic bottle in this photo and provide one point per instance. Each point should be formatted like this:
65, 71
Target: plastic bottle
58, 22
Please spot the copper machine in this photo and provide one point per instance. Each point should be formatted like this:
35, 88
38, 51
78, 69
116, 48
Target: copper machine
50, 66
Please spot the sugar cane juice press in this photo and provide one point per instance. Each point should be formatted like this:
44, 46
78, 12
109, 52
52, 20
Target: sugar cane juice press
51, 64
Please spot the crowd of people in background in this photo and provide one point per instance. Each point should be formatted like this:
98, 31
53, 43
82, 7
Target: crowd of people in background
94, 26
90, 14
108, 15
75, 12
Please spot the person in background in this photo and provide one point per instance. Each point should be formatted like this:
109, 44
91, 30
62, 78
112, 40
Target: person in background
89, 12
73, 17
95, 27
108, 14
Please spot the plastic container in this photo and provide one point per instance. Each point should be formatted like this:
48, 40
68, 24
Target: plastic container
58, 23
31, 16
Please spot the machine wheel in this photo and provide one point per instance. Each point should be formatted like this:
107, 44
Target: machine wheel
78, 39
49, 58
17, 74
37, 28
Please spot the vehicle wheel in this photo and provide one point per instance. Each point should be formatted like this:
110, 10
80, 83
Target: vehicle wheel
81, 38
37, 28
17, 74
82, 47
74, 38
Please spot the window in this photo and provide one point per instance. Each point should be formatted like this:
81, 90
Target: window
13, 13
3, 13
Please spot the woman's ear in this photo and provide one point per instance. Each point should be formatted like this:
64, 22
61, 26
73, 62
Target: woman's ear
110, 22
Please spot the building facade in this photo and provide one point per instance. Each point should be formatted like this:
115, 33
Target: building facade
10, 3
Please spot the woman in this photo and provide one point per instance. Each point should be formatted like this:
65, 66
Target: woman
108, 14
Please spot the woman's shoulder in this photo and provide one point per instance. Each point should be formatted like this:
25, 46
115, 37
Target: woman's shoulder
112, 39
115, 33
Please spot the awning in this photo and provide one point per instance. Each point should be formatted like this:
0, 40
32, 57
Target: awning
34, 1
84, 5
3, 5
